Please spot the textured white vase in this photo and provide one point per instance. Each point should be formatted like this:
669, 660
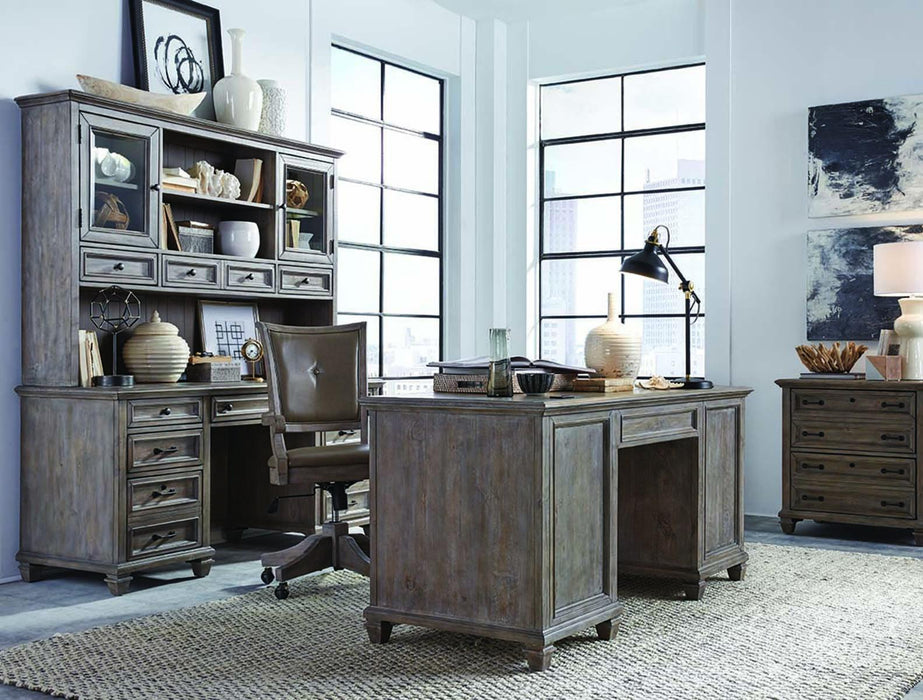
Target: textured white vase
238, 99
272, 120
909, 326
155, 352
613, 349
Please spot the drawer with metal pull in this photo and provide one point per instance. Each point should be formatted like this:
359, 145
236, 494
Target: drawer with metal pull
148, 540
660, 424
306, 281
190, 272
824, 401
226, 409
106, 266
255, 277
147, 413
837, 468
824, 433
164, 491
178, 448
895, 503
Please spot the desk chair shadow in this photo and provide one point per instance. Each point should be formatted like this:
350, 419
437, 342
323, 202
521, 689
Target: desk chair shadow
315, 376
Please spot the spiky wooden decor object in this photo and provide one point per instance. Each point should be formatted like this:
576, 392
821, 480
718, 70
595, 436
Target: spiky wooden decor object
832, 360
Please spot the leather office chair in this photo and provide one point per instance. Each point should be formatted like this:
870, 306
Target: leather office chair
315, 377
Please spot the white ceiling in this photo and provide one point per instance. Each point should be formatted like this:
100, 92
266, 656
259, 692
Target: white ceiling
518, 10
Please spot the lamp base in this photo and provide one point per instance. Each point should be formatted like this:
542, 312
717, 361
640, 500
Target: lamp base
693, 383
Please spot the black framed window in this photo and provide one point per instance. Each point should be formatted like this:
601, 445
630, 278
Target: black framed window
388, 119
620, 155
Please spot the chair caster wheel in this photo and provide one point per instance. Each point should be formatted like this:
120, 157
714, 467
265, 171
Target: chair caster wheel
267, 576
281, 591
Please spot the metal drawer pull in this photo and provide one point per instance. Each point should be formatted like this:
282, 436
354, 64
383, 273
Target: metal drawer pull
891, 471
819, 433
819, 402
165, 450
813, 498
819, 467
191, 272
157, 537
353, 503
119, 266
886, 404
166, 411
249, 276
156, 187
892, 504
899, 438
227, 407
164, 491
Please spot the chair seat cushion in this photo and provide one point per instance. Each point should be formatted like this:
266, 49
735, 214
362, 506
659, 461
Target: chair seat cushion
348, 462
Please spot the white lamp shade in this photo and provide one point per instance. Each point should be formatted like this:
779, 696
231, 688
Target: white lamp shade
898, 268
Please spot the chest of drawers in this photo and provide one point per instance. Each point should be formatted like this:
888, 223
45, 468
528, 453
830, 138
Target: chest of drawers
849, 453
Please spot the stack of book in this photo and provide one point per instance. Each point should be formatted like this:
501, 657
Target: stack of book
470, 376
91, 362
178, 180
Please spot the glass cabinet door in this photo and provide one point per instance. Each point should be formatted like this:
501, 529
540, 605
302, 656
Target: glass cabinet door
306, 202
120, 182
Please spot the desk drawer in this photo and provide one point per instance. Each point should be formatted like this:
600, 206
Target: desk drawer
655, 425
816, 402
152, 412
150, 540
357, 503
185, 272
886, 471
178, 448
165, 491
824, 433
230, 408
306, 281
111, 267
255, 277
892, 503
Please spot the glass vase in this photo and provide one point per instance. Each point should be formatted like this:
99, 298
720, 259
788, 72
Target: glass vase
500, 372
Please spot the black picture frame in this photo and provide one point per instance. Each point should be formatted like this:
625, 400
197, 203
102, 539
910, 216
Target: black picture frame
143, 50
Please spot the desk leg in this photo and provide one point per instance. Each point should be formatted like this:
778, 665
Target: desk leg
737, 572
118, 585
201, 567
379, 631
694, 591
539, 659
788, 525
608, 629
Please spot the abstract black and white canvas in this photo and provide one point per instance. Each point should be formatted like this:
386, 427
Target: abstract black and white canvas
841, 304
177, 49
865, 157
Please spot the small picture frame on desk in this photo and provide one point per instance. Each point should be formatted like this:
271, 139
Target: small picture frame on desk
225, 326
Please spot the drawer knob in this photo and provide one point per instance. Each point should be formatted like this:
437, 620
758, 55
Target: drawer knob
819, 402
191, 272
805, 433
119, 266
166, 411
163, 491
898, 438
227, 407
165, 450
157, 537
819, 467
892, 404
306, 280
353, 503
249, 276
819, 499
852, 399
892, 504
156, 187
885, 470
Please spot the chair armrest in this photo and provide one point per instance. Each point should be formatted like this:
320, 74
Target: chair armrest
275, 421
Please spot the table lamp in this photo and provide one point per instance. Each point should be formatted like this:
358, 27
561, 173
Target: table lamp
898, 272
648, 264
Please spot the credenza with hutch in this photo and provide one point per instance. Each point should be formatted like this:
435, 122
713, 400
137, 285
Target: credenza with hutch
125, 479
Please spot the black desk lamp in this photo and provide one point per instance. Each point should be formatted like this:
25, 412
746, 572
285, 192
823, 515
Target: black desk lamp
648, 264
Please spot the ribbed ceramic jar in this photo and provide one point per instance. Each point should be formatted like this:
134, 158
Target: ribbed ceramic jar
613, 349
238, 98
155, 353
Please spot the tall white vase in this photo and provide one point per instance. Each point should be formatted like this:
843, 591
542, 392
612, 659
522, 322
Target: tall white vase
909, 326
238, 99
613, 349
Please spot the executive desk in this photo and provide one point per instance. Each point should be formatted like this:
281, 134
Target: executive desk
511, 518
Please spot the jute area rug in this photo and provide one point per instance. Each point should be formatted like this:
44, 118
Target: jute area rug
805, 624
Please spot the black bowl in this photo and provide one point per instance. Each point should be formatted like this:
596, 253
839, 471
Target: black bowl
535, 382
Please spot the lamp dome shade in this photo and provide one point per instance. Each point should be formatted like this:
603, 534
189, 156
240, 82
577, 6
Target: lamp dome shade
898, 268
646, 264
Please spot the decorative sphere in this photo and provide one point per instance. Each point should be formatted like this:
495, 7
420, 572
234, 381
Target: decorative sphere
115, 309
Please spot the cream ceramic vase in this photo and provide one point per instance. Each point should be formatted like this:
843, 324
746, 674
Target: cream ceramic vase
238, 99
155, 352
613, 349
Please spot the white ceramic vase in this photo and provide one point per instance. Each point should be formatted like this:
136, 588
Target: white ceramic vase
155, 352
613, 349
240, 238
238, 99
272, 120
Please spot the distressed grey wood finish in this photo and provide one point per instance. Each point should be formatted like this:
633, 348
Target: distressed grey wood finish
865, 467
510, 518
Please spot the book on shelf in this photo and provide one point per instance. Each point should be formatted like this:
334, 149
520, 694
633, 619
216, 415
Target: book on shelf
171, 226
250, 173
91, 363
479, 365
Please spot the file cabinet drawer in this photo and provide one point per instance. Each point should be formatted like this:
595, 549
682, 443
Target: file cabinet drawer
150, 540
837, 468
164, 491
183, 272
306, 281
825, 401
111, 267
226, 409
171, 449
817, 433
152, 412
891, 503
251, 276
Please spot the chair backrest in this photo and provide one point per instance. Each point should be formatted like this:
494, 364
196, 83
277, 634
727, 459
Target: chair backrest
315, 374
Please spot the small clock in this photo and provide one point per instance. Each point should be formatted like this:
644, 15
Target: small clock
252, 350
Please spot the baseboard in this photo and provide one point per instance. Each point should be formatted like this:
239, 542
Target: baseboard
10, 579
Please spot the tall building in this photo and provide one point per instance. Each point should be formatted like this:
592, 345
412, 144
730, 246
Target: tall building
558, 340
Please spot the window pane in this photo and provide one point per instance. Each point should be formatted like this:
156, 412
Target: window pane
355, 83
411, 284
583, 168
411, 220
362, 143
357, 280
682, 212
577, 109
411, 162
579, 286
563, 339
409, 343
582, 225
411, 100
358, 212
665, 98
667, 160
663, 349
643, 296
373, 324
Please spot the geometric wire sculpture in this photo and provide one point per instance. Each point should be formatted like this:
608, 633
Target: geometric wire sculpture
114, 310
